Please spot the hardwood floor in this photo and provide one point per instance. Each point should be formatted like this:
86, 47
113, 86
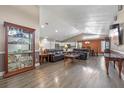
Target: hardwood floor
85, 74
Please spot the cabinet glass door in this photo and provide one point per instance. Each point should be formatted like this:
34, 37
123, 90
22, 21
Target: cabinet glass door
20, 50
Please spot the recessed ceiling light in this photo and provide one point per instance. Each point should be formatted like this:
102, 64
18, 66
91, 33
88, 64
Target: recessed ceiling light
42, 26
56, 30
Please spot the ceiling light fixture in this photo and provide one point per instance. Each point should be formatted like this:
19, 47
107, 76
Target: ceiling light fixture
42, 26
56, 30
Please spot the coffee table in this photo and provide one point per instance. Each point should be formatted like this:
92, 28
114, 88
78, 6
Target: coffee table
70, 56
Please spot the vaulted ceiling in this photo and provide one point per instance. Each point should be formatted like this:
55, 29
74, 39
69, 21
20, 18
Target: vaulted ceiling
63, 22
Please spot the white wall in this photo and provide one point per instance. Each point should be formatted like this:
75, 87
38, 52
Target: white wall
47, 44
21, 15
50, 44
71, 43
102, 46
2, 39
120, 19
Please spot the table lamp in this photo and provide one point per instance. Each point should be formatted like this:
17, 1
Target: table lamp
66, 47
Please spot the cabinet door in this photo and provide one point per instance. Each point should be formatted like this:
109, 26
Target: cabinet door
19, 47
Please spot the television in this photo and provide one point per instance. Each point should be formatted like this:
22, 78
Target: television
116, 34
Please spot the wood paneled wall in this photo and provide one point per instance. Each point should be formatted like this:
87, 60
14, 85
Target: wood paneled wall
94, 44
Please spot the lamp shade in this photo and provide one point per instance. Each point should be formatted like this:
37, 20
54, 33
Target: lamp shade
66, 46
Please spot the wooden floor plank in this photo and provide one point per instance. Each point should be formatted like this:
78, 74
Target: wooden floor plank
80, 74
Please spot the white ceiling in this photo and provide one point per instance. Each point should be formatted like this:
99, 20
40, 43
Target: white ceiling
31, 10
74, 20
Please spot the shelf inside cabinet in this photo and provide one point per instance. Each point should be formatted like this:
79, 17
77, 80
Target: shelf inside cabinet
18, 65
18, 43
10, 36
26, 52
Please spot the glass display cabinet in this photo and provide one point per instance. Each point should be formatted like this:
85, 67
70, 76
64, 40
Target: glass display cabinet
20, 49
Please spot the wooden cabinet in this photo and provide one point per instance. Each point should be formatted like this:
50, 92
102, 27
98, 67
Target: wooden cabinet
19, 49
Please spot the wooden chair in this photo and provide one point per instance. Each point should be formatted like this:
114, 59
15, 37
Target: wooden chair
44, 56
